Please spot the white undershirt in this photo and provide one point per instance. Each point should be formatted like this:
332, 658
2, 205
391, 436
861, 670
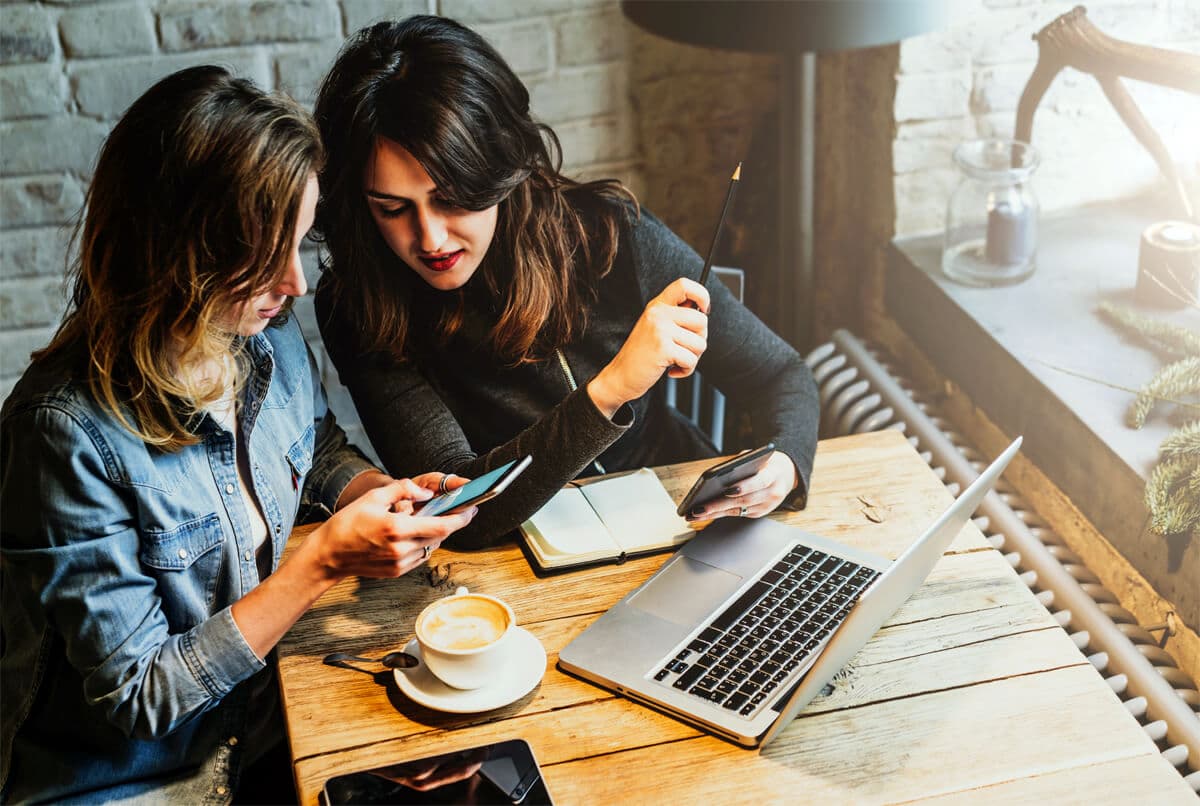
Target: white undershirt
224, 411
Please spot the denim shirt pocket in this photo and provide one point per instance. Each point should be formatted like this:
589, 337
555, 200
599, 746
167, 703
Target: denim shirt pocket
186, 562
300, 455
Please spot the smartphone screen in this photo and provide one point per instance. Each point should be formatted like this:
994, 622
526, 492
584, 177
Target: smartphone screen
475, 491
502, 773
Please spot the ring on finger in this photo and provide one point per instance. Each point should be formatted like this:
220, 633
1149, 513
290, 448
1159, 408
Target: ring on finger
427, 551
442, 489
742, 512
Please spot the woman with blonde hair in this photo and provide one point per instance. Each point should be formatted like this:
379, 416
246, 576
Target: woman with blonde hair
479, 305
157, 453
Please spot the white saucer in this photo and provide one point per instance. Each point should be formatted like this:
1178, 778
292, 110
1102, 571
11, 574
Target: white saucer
520, 672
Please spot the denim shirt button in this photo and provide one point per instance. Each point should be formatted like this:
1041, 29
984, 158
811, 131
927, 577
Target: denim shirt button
183, 554
278, 528
233, 741
249, 555
221, 791
229, 489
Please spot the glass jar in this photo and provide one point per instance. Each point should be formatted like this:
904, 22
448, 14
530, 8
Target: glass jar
992, 215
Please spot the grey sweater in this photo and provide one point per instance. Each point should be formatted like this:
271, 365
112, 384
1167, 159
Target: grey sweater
456, 408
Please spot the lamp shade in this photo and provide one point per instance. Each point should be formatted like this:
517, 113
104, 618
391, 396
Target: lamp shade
787, 25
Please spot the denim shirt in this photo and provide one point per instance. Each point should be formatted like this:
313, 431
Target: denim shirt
123, 672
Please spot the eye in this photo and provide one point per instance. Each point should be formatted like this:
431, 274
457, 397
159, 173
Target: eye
392, 209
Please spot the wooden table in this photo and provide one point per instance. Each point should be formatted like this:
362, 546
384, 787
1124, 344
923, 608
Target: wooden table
970, 692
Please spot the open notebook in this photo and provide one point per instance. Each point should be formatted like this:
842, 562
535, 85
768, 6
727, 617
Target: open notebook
605, 519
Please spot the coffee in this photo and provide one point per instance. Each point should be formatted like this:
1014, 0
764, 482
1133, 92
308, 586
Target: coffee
463, 623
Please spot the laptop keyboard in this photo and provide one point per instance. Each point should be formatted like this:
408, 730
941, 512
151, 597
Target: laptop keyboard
756, 643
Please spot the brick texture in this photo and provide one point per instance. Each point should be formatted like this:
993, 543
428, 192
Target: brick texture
35, 90
105, 88
195, 26
26, 34
30, 252
31, 200
107, 30
357, 14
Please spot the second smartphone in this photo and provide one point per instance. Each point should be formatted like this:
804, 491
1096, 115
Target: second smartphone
714, 480
476, 491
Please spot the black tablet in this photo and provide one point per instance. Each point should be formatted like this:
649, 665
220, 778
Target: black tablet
503, 773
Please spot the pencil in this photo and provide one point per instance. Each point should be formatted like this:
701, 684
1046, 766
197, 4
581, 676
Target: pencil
712, 250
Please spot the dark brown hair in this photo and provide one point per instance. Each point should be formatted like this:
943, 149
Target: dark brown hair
191, 211
441, 92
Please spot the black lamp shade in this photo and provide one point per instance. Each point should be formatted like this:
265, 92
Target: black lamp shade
787, 25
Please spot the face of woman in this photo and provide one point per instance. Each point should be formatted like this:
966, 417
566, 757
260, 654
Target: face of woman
254, 316
442, 243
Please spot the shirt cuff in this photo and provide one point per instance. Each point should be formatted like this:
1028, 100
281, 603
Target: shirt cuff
337, 478
218, 655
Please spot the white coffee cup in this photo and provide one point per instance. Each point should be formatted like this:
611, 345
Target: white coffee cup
464, 637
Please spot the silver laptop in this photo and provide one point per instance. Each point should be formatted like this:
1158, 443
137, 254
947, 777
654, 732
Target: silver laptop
750, 620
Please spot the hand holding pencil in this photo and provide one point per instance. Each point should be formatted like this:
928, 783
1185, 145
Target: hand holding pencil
669, 337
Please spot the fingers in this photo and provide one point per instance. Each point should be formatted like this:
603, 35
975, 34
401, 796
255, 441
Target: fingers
438, 526
683, 290
398, 559
674, 317
684, 353
753, 497
453, 482
399, 490
433, 481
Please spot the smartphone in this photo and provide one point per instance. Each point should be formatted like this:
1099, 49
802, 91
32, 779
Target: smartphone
475, 491
502, 773
714, 480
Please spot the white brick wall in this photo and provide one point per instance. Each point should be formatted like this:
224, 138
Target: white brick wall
965, 81
67, 71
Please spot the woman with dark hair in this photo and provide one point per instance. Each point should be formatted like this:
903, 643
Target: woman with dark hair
479, 305
156, 455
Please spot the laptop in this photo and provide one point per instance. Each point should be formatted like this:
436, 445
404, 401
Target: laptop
750, 620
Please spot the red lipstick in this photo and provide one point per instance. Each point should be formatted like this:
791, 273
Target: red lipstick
443, 262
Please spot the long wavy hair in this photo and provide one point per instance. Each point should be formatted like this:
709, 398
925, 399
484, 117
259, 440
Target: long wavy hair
446, 96
191, 213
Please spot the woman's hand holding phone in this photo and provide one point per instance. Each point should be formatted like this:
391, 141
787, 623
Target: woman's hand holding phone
666, 338
752, 497
376, 534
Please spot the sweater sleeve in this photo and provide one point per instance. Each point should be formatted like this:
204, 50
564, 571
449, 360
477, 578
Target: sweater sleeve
413, 431
758, 371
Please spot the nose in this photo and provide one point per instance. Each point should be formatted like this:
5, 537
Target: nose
431, 230
293, 283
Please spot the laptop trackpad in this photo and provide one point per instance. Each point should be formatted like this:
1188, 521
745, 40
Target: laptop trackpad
686, 591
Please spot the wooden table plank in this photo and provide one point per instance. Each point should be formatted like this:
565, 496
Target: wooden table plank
1141, 779
897, 750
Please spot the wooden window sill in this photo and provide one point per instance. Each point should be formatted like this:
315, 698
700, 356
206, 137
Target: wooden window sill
1039, 360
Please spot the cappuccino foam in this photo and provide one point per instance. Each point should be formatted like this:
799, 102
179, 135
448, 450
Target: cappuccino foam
464, 622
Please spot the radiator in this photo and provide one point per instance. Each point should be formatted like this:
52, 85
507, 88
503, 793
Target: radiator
862, 391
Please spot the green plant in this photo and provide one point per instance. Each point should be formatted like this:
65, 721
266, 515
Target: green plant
1173, 489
